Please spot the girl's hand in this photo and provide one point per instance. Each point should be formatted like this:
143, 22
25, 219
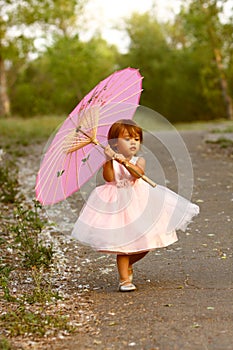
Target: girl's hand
109, 152
119, 157
113, 155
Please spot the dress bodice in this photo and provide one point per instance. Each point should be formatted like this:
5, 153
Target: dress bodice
123, 178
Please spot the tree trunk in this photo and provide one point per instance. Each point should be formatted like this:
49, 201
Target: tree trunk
4, 99
224, 86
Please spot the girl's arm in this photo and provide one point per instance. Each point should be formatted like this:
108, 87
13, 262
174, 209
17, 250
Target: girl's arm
108, 172
135, 170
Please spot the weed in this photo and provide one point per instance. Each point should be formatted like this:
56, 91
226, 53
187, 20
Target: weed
228, 129
21, 321
28, 229
9, 186
222, 142
4, 344
5, 271
42, 291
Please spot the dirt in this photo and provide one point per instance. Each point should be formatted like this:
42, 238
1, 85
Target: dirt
184, 296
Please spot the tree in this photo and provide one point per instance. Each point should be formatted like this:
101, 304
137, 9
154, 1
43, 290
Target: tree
170, 74
57, 80
148, 51
22, 22
206, 33
187, 63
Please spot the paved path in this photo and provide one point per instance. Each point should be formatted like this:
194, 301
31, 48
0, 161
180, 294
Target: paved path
185, 292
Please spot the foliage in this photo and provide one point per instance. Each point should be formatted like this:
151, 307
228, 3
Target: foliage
24, 21
187, 63
4, 344
67, 71
5, 271
20, 321
147, 50
167, 71
20, 241
8, 182
223, 142
28, 228
42, 291
202, 30
23, 25
31, 281
178, 60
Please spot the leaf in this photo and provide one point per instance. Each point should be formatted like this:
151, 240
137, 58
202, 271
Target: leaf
84, 160
60, 173
196, 325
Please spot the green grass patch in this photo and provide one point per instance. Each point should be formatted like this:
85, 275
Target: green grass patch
21, 321
224, 130
206, 125
9, 186
25, 132
222, 142
5, 344
5, 271
27, 228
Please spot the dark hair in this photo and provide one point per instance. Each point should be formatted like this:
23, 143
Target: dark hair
121, 125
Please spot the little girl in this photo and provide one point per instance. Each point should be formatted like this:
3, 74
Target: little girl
126, 216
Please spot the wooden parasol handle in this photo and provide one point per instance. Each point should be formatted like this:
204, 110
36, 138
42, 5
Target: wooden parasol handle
143, 177
149, 181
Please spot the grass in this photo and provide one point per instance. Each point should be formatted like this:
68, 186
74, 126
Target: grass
151, 120
211, 125
27, 228
21, 321
222, 142
225, 129
4, 344
24, 132
9, 182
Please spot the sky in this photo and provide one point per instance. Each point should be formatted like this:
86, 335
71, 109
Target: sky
104, 14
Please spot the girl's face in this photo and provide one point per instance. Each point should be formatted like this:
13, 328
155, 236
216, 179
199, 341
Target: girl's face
128, 145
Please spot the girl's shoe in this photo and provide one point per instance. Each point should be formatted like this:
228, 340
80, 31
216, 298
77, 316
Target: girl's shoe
126, 286
130, 270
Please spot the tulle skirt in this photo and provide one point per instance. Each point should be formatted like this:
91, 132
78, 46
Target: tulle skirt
132, 217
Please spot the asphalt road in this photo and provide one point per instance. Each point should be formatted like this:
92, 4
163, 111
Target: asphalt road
184, 297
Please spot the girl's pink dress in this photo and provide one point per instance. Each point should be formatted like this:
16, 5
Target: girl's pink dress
129, 216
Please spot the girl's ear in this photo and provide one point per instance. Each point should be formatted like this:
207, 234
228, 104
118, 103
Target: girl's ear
114, 145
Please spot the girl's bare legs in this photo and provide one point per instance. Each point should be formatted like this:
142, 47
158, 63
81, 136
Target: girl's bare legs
123, 267
136, 257
132, 260
125, 262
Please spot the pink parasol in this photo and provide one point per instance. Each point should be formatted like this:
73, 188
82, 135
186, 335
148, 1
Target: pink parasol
75, 153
